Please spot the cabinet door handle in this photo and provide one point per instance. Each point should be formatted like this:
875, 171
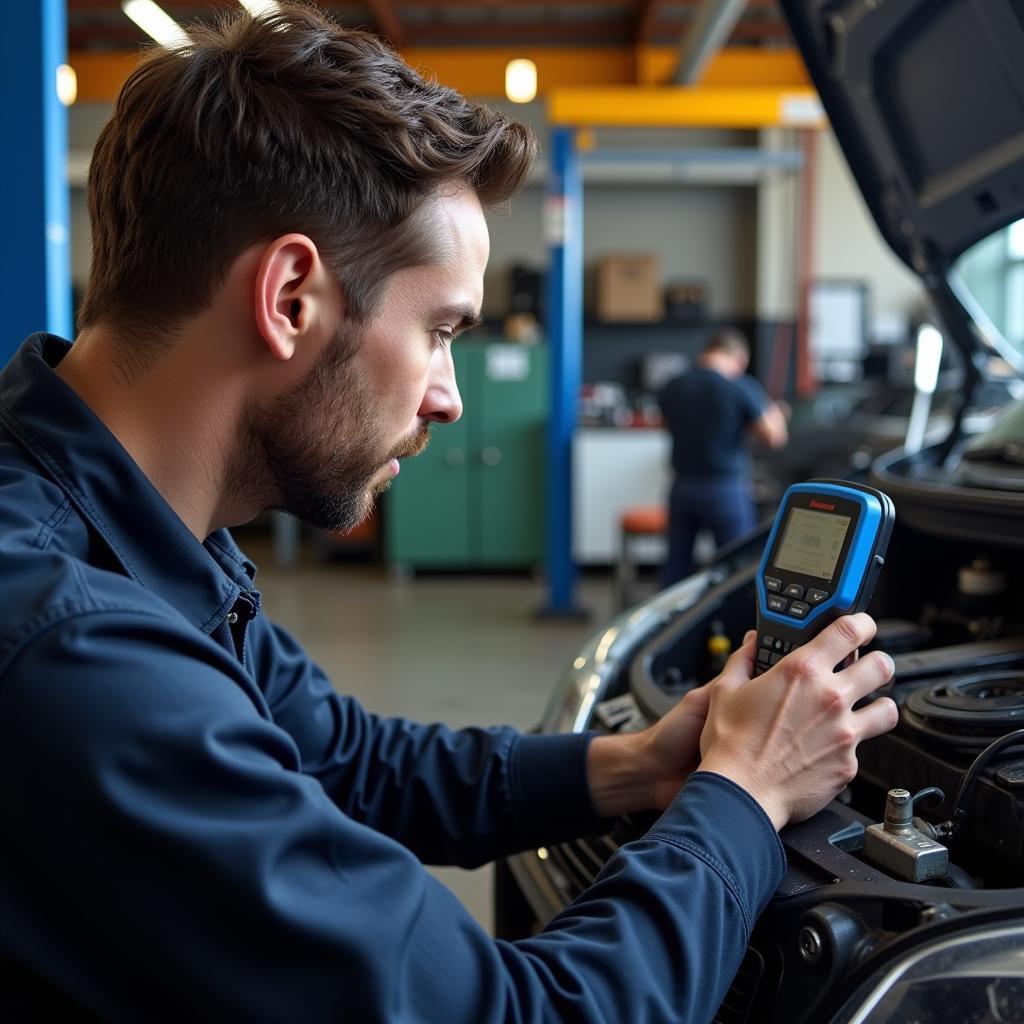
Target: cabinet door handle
455, 457
490, 456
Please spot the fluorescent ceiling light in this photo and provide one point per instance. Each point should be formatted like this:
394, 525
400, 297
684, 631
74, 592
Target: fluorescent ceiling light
258, 7
156, 22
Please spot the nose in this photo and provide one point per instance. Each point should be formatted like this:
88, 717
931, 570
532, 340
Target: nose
442, 402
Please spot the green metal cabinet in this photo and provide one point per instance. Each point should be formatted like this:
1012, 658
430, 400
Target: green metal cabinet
474, 498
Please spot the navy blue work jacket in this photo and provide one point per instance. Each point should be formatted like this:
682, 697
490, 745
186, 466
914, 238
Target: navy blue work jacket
195, 826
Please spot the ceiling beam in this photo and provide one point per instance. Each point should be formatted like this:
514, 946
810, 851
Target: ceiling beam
199, 7
711, 25
190, 9
388, 22
106, 38
629, 6
685, 107
587, 32
646, 17
118, 38
479, 71
760, 30
484, 6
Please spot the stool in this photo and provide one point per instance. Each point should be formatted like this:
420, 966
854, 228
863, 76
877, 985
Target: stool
636, 521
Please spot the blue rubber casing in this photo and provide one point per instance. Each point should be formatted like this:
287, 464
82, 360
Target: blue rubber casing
860, 561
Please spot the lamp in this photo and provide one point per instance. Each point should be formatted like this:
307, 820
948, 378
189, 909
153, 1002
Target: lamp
67, 84
156, 22
258, 7
520, 80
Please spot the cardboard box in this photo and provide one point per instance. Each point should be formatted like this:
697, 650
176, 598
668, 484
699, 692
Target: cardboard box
629, 288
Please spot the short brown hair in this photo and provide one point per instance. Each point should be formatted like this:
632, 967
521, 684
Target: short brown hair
730, 340
271, 124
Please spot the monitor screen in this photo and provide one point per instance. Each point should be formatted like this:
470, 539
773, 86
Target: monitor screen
811, 543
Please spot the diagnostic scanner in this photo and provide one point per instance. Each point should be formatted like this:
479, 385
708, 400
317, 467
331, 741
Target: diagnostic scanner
822, 559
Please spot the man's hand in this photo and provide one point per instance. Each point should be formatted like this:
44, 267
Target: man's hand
789, 737
645, 770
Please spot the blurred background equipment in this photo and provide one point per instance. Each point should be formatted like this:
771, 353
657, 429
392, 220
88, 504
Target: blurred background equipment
629, 289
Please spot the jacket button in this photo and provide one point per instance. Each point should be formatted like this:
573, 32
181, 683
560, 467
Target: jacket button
232, 618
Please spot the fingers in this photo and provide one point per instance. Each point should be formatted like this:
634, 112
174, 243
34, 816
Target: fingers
876, 718
740, 664
866, 675
697, 700
840, 639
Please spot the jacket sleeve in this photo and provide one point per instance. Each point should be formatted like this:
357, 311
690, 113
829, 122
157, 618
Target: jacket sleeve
165, 858
460, 797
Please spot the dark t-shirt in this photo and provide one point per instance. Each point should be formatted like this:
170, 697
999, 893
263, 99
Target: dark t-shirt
707, 415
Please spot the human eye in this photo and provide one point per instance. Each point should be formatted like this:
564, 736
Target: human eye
444, 336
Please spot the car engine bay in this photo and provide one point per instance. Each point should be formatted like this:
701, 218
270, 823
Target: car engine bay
929, 838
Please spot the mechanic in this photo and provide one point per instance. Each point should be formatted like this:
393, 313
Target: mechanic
288, 233
710, 410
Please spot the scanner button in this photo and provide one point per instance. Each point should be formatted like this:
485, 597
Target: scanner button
776, 603
775, 659
780, 645
772, 585
767, 641
794, 590
817, 596
799, 610
763, 656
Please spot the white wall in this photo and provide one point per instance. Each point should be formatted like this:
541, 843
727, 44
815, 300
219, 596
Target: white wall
81, 254
84, 123
846, 243
778, 223
712, 232
704, 233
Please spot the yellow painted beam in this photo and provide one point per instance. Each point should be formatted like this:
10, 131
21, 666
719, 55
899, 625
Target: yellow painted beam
685, 107
736, 66
101, 75
480, 71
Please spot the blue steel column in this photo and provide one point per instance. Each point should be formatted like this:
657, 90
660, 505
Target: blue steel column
564, 227
35, 287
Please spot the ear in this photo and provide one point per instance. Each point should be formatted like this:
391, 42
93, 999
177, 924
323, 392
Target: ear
294, 295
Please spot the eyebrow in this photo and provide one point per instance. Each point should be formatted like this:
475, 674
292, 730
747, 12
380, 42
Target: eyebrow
462, 315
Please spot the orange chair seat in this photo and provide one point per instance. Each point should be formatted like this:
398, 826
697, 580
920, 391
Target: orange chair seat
648, 519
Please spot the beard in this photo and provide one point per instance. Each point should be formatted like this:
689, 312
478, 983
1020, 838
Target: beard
316, 451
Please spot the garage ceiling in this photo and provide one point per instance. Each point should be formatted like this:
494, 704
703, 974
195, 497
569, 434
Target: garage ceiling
101, 26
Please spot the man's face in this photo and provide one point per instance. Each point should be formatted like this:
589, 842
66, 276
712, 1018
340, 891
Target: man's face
334, 442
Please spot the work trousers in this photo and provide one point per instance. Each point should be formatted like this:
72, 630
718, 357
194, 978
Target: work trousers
722, 505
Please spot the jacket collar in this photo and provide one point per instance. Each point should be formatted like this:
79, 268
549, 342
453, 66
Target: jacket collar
150, 542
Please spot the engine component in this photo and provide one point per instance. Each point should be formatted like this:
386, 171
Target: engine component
966, 713
901, 848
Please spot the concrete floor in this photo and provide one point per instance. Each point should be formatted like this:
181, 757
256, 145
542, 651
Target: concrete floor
463, 650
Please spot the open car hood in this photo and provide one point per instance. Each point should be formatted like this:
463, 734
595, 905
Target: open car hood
926, 98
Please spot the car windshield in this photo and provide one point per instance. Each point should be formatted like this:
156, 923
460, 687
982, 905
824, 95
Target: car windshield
991, 275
